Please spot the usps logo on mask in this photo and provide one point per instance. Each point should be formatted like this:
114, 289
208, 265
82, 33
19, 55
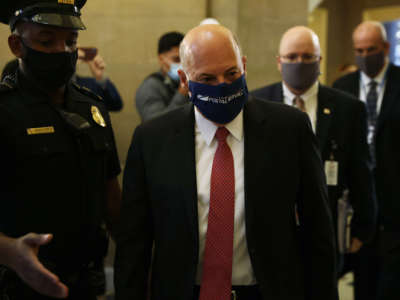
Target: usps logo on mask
203, 98
72, 2
221, 100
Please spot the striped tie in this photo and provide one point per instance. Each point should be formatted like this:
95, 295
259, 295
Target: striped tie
372, 98
299, 103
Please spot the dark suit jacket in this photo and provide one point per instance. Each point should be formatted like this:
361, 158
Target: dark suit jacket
387, 146
341, 124
282, 167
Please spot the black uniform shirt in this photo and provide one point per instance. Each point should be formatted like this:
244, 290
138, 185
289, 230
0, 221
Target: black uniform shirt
52, 176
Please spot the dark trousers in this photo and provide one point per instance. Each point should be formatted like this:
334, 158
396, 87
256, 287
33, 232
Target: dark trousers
239, 293
389, 281
28, 294
80, 288
367, 270
377, 268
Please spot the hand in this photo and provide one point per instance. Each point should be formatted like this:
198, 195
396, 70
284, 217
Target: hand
26, 264
97, 67
356, 245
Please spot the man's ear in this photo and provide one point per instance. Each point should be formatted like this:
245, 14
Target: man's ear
386, 48
279, 64
183, 78
164, 66
244, 63
15, 44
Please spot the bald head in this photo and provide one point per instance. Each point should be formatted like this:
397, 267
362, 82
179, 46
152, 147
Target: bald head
371, 47
210, 46
299, 39
370, 38
371, 30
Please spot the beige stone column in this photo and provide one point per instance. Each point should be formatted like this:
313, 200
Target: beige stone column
259, 25
5, 53
126, 33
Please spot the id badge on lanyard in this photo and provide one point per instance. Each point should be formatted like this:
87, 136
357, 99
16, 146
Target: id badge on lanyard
332, 168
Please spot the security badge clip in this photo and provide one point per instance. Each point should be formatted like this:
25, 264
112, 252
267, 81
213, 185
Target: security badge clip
40, 130
97, 117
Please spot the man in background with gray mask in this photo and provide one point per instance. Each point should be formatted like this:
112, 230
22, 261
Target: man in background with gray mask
377, 267
339, 122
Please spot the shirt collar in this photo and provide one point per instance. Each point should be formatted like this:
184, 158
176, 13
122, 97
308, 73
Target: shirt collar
311, 92
208, 129
378, 78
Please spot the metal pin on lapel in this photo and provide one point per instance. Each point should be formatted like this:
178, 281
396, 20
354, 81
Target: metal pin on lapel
327, 111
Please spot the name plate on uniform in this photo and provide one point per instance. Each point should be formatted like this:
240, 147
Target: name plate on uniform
40, 130
66, 2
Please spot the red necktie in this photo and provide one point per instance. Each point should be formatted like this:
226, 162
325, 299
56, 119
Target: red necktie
216, 282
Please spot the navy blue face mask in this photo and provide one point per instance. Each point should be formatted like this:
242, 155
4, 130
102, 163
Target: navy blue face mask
219, 103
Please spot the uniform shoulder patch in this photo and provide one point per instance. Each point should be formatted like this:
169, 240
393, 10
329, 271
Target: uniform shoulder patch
88, 92
5, 87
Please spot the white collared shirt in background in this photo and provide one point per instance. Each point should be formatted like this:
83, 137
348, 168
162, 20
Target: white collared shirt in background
380, 88
310, 98
206, 145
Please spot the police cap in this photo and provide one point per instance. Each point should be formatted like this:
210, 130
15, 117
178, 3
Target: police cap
60, 13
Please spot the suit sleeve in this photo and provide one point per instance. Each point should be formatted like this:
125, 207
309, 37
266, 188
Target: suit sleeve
134, 234
361, 191
111, 96
340, 84
316, 227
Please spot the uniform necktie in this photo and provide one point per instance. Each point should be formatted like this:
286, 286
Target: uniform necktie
299, 103
372, 98
216, 280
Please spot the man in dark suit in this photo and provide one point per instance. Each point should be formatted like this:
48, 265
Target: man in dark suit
213, 186
377, 270
339, 122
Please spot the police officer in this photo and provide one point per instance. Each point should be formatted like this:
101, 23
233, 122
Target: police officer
59, 164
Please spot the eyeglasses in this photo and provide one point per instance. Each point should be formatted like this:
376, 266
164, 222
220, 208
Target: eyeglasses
294, 57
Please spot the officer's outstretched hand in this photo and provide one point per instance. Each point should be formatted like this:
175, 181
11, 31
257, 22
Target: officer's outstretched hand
29, 268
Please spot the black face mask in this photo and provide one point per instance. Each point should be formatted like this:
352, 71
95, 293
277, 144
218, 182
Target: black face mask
50, 70
371, 64
300, 76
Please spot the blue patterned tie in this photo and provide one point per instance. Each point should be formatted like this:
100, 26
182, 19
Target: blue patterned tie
372, 98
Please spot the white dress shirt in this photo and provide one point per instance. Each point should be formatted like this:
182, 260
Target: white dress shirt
310, 98
380, 79
206, 145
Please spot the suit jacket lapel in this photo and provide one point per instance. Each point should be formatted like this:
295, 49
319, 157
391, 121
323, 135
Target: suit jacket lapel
255, 125
354, 89
325, 110
392, 92
182, 157
278, 92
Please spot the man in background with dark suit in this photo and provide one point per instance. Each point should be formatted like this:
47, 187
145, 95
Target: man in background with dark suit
213, 185
377, 84
339, 122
